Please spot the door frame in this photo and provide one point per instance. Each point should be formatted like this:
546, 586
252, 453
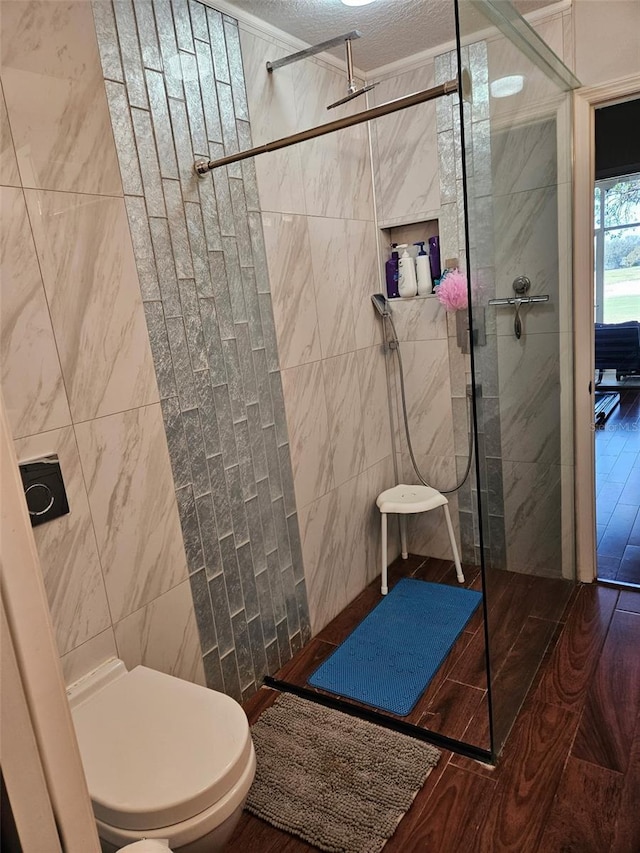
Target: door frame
585, 103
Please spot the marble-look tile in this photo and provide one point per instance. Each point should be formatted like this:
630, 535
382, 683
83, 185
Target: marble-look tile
87, 657
272, 111
337, 167
427, 531
524, 158
9, 174
526, 243
340, 534
163, 635
407, 172
311, 451
128, 475
419, 319
529, 398
291, 275
330, 251
375, 405
67, 548
54, 90
428, 392
94, 301
32, 384
364, 279
532, 501
345, 415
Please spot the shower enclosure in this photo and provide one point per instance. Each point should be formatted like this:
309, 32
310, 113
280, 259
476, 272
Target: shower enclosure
502, 369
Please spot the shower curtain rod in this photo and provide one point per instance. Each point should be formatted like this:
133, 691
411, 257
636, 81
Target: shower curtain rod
202, 167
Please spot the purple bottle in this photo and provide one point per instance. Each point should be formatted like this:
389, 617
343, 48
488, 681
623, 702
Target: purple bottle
434, 259
391, 273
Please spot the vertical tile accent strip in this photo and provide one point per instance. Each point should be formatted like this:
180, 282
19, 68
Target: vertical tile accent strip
200, 254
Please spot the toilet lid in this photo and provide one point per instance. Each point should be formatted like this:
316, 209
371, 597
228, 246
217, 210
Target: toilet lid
157, 750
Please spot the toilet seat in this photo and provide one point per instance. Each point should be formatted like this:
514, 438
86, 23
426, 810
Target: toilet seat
158, 751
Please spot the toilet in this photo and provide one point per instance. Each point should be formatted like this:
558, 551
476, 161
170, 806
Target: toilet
164, 758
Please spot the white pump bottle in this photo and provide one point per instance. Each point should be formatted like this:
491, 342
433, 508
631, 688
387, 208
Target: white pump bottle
407, 283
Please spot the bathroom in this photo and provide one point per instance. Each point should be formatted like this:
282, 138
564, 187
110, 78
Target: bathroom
202, 354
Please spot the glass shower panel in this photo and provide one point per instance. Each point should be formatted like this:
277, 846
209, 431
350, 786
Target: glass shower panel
516, 140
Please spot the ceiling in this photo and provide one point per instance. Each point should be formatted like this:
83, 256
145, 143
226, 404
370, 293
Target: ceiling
391, 29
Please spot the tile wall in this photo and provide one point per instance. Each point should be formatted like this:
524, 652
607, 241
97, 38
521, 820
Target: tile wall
175, 85
77, 372
415, 173
318, 215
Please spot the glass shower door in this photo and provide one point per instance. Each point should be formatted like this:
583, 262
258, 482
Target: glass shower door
516, 141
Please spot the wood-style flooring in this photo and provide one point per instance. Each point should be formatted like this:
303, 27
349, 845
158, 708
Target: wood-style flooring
618, 492
569, 776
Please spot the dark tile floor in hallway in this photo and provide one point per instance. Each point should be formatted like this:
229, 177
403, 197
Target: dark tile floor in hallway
618, 492
569, 776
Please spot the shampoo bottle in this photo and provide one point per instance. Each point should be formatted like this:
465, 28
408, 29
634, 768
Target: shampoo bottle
407, 284
391, 273
434, 259
423, 271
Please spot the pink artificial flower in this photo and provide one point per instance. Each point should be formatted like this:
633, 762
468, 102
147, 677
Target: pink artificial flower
452, 291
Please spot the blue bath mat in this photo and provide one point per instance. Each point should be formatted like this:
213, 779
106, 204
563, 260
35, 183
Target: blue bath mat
393, 654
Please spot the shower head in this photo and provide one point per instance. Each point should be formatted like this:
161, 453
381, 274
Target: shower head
381, 304
352, 89
355, 94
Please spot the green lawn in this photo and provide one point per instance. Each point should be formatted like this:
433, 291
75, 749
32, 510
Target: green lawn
622, 295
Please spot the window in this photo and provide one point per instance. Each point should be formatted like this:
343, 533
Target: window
617, 249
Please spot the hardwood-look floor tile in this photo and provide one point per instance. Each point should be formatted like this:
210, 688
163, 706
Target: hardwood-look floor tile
451, 816
452, 709
608, 724
259, 702
566, 678
627, 834
629, 571
629, 601
527, 779
512, 682
585, 809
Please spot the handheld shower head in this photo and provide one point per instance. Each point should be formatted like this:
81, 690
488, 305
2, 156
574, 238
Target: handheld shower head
381, 304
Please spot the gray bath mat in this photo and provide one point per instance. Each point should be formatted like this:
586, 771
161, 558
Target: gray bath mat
340, 783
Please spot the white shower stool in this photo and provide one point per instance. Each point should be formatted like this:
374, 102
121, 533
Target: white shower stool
406, 500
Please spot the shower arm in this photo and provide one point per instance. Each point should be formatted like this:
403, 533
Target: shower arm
202, 167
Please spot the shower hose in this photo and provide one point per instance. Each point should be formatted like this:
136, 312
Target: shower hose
396, 347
